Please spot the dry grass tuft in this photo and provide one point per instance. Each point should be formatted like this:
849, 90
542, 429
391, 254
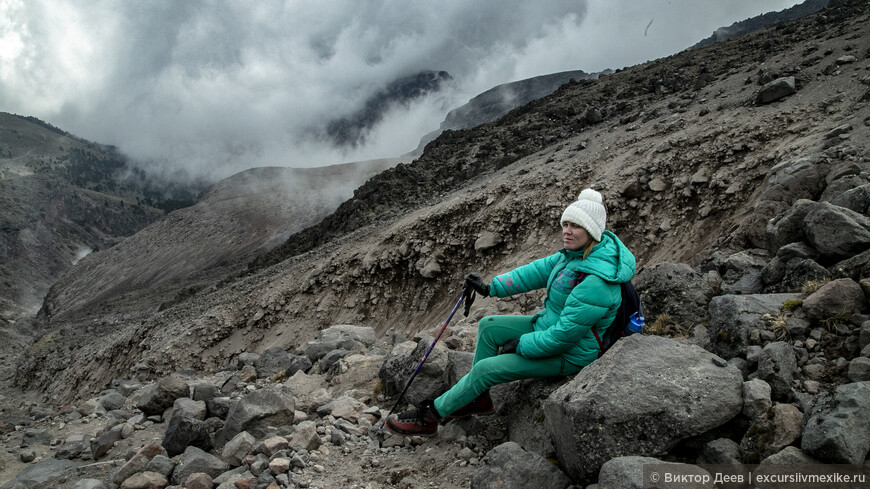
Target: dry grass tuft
813, 285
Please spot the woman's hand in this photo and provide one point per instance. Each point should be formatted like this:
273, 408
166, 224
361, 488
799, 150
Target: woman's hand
475, 283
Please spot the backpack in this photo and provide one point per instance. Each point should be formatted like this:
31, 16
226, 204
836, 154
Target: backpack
628, 320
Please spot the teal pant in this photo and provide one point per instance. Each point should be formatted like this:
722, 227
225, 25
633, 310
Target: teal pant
489, 368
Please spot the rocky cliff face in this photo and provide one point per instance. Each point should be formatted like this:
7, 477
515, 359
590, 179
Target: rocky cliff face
738, 175
62, 198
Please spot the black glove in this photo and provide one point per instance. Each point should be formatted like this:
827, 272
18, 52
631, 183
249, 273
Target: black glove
475, 283
510, 346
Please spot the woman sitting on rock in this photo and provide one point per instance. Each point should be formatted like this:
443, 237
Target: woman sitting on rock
583, 292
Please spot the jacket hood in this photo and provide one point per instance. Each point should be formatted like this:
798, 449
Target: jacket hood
610, 260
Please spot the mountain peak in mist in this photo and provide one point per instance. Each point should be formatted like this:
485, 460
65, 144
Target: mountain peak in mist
351, 130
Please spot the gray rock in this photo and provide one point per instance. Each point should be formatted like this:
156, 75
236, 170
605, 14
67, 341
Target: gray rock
789, 456
104, 442
205, 392
788, 228
238, 448
246, 359
182, 432
733, 316
218, 407
330, 358
189, 408
194, 460
682, 392
459, 364
799, 249
305, 437
722, 451
231, 476
772, 274
778, 367
253, 413
162, 465
90, 484
343, 336
275, 361
776, 90
430, 381
836, 232
520, 407
855, 268
756, 398
859, 369
33, 436
856, 199
156, 398
487, 240
112, 400
73, 446
137, 462
836, 298
838, 429
778, 428
508, 466
36, 475
744, 271
794, 182
675, 289
127, 387
798, 272
628, 473
864, 335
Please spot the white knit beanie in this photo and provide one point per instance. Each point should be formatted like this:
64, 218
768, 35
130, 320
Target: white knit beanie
588, 212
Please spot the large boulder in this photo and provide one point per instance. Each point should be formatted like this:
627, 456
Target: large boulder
628, 473
856, 268
644, 396
789, 227
838, 429
431, 380
343, 336
254, 413
182, 431
836, 298
778, 428
521, 409
792, 180
276, 361
194, 460
775, 90
778, 366
508, 466
733, 317
743, 272
856, 199
675, 289
836, 232
159, 396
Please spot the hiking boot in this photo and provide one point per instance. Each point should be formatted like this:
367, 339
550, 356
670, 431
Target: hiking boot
422, 421
481, 404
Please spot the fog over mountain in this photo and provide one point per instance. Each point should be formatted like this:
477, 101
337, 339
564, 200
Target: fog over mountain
218, 87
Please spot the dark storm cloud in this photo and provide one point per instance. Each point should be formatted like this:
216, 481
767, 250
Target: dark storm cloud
218, 86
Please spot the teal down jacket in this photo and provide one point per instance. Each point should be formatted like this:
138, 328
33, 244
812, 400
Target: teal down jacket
573, 306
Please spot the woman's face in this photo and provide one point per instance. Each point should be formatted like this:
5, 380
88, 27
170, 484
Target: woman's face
574, 237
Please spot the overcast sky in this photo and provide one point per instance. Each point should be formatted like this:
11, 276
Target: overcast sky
223, 85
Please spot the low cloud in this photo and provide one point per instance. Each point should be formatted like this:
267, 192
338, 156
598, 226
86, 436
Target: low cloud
212, 88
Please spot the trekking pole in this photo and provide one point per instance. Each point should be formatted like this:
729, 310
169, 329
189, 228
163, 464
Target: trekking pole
465, 293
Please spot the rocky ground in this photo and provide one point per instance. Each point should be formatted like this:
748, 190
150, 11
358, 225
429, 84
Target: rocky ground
737, 173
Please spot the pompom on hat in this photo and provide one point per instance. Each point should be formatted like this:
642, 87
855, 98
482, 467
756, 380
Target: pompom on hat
588, 212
